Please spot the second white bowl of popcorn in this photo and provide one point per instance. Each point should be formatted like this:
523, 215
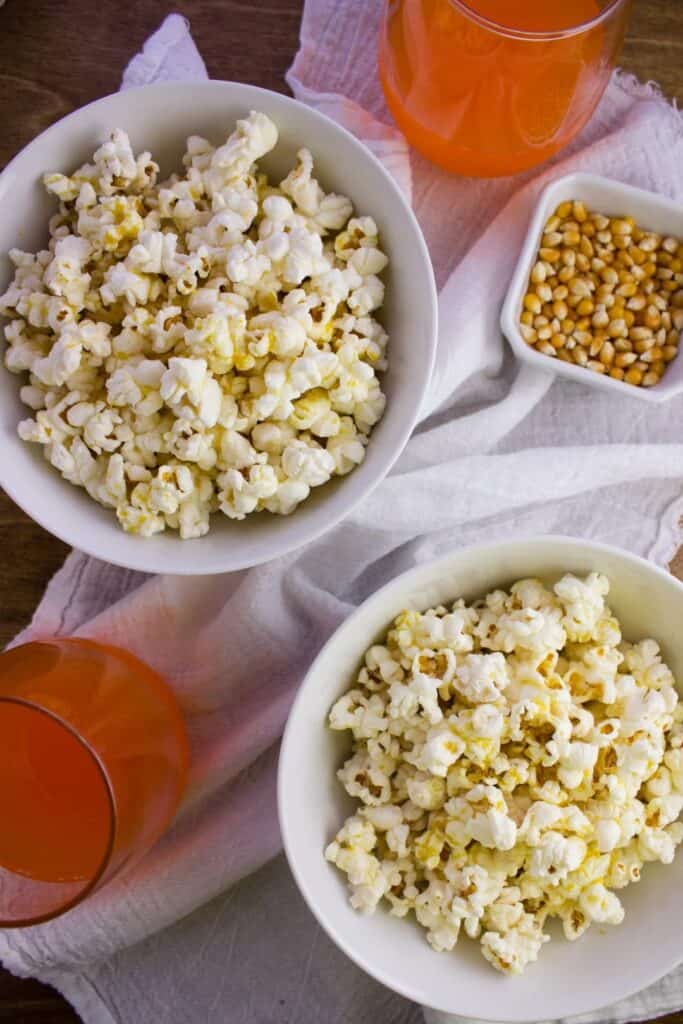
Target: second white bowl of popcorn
228, 347
490, 776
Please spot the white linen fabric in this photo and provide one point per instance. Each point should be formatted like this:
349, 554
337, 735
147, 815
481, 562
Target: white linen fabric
502, 450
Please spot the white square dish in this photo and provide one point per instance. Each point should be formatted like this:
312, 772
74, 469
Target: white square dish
603, 195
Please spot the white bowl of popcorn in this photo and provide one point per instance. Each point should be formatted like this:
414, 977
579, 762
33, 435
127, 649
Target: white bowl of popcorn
489, 776
216, 303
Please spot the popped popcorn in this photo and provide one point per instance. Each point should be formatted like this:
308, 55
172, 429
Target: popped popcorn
202, 344
514, 760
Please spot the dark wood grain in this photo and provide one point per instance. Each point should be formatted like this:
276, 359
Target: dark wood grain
47, 71
28, 1002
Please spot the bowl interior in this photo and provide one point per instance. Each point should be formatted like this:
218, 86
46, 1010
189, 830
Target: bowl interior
569, 978
159, 118
603, 195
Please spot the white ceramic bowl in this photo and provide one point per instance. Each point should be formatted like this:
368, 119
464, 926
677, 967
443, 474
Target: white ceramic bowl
159, 118
603, 195
570, 978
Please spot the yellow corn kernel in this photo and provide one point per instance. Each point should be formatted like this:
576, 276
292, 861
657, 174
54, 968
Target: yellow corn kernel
617, 328
552, 239
579, 211
652, 318
650, 242
623, 226
600, 317
538, 274
607, 353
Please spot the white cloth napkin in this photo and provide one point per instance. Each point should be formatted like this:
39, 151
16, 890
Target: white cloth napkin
504, 452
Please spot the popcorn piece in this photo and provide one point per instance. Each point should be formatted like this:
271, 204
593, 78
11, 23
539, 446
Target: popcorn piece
301, 186
306, 463
576, 764
555, 856
428, 793
482, 677
62, 361
601, 905
441, 749
512, 952
64, 275
583, 603
482, 815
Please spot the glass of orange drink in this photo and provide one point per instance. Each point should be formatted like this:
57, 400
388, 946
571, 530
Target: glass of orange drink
93, 763
491, 87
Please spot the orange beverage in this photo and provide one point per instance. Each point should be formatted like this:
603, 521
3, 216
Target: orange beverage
492, 87
93, 763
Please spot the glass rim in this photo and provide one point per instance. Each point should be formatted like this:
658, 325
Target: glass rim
513, 33
106, 860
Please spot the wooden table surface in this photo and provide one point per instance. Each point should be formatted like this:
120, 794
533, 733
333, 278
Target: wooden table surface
47, 71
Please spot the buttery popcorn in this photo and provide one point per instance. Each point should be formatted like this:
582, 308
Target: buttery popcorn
203, 344
513, 760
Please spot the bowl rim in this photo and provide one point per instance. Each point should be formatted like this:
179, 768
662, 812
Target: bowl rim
413, 577
146, 560
509, 318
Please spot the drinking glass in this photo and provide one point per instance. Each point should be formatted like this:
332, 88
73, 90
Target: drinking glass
93, 763
492, 87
